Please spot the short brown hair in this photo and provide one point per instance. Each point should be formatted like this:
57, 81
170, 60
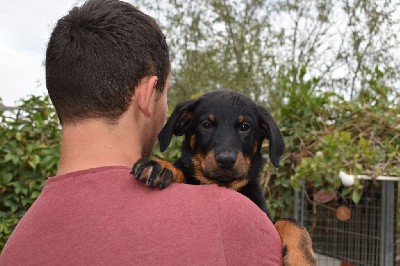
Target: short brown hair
97, 55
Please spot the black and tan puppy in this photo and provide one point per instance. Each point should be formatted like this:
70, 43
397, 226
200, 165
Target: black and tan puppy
224, 131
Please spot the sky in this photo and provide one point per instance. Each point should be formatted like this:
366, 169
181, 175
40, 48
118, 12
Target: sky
25, 28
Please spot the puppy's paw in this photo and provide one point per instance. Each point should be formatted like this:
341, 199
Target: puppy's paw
297, 244
156, 173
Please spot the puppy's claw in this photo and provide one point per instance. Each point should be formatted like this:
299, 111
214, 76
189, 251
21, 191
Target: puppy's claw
156, 171
135, 168
152, 173
166, 178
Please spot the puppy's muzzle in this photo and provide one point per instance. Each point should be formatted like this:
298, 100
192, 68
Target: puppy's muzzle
226, 160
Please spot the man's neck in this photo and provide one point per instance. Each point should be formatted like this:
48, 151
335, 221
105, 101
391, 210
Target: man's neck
114, 145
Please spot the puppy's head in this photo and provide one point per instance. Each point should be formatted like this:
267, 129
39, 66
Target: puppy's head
223, 132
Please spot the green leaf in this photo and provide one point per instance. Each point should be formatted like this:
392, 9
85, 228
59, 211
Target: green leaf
18, 136
6, 178
8, 157
363, 143
34, 161
356, 196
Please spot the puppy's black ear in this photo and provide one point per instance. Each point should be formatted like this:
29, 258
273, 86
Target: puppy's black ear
273, 134
177, 123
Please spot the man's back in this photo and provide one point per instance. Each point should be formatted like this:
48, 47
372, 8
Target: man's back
103, 216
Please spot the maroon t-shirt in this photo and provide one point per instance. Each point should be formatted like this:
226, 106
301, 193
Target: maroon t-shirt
104, 216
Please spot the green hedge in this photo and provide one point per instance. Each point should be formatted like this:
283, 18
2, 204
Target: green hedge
29, 141
326, 133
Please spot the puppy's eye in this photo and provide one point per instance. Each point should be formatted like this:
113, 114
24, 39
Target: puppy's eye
245, 127
206, 124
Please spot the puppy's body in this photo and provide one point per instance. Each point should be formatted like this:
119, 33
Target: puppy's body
224, 131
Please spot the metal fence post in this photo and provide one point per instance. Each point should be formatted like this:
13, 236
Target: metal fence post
387, 223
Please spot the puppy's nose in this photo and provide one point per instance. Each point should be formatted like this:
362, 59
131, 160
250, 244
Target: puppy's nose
226, 160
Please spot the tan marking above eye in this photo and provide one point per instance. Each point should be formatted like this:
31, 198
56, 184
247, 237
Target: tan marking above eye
211, 117
241, 118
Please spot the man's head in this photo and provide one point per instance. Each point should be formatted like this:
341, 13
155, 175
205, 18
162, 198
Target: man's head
96, 57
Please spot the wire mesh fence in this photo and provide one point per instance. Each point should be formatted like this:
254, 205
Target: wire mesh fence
365, 236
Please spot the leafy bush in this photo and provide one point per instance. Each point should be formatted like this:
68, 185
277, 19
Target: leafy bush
29, 141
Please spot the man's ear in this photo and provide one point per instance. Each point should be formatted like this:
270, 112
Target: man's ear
145, 90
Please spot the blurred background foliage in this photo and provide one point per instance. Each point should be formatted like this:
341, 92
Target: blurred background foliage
29, 141
327, 71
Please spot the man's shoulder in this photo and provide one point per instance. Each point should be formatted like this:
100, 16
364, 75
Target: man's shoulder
212, 190
247, 233
228, 201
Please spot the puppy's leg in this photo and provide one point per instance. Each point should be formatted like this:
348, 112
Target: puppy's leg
157, 173
297, 244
